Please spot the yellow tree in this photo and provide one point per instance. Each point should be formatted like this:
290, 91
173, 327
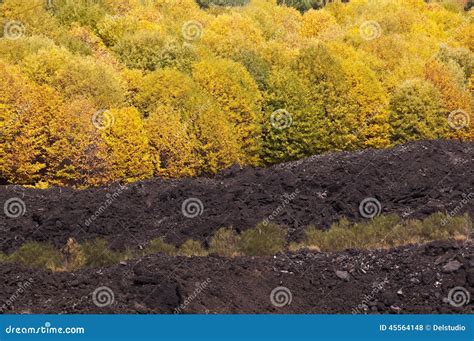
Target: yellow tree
29, 17
219, 146
123, 132
168, 87
15, 51
465, 35
279, 23
178, 113
288, 100
230, 33
368, 94
76, 77
78, 156
455, 98
45, 141
235, 90
26, 112
316, 23
172, 148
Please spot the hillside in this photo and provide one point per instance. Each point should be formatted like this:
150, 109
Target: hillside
236, 156
98, 91
412, 181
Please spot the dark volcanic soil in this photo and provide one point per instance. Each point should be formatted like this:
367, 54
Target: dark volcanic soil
413, 180
410, 279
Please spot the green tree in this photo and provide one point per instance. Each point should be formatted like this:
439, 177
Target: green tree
417, 112
335, 111
83, 12
288, 106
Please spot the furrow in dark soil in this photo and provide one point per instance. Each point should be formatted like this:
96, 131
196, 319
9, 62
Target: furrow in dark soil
412, 180
409, 279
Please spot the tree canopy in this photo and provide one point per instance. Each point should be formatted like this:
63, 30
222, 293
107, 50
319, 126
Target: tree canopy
94, 91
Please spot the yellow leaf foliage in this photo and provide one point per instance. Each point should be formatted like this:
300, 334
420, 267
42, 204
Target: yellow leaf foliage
171, 147
44, 140
315, 23
75, 77
190, 91
230, 33
233, 88
125, 136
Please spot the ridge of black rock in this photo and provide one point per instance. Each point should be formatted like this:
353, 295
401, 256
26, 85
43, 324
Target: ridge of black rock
412, 180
